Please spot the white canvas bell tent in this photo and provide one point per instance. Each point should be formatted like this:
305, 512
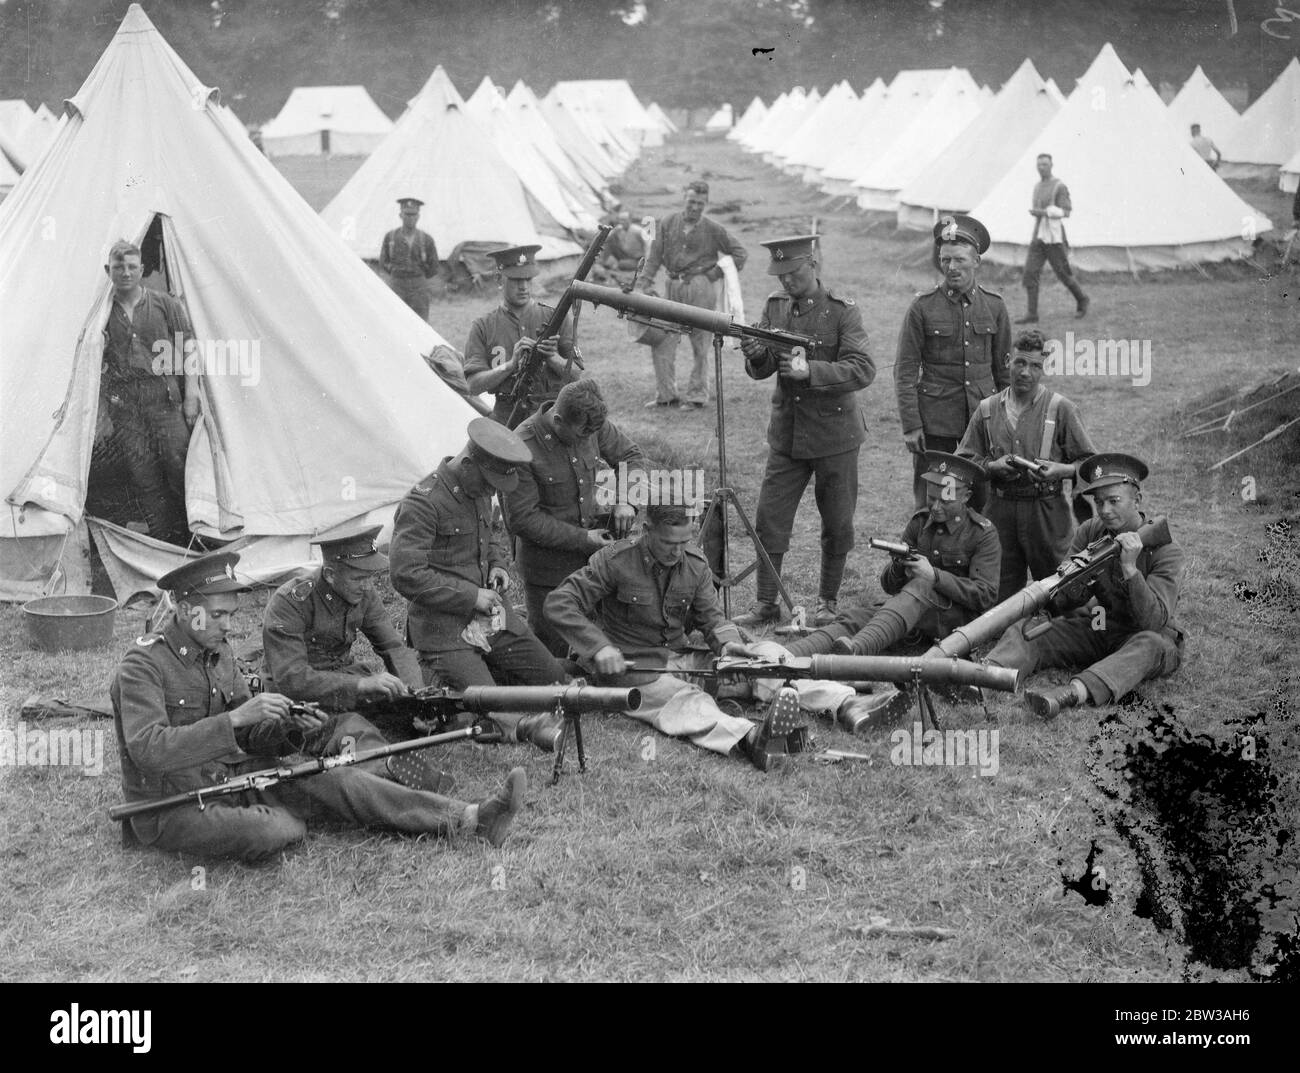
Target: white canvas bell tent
1200, 102
752, 116
574, 137
533, 125
1268, 132
722, 119
856, 114
1142, 197
563, 203
1289, 177
954, 104
750, 138
778, 131
969, 166
438, 153
323, 120
337, 416
903, 100
666, 125
12, 164
825, 122
616, 105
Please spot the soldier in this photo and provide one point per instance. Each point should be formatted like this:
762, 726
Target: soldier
688, 244
1049, 208
1030, 510
409, 258
498, 341
185, 719
311, 623
1127, 633
559, 512
953, 349
450, 563
951, 579
625, 246
817, 424
148, 400
638, 598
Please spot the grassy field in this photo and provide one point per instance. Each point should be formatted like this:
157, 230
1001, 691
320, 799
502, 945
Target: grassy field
667, 863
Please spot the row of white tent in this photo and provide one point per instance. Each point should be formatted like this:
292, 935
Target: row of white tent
933, 142
340, 416
345, 120
494, 167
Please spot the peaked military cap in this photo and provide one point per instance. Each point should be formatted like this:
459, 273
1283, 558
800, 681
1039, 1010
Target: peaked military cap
410, 202
497, 452
789, 254
699, 186
965, 229
206, 575
352, 543
1102, 470
517, 262
939, 466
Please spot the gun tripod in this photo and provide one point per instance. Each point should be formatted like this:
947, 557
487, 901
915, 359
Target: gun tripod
721, 500
574, 720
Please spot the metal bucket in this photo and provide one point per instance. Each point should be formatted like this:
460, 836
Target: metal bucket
57, 623
645, 332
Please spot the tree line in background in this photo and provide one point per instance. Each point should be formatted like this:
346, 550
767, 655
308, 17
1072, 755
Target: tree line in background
681, 53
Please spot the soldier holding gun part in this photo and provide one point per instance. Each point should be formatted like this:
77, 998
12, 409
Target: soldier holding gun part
1028, 505
941, 574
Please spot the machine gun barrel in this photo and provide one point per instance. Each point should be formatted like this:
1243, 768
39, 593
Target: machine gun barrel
1069, 586
580, 699
707, 320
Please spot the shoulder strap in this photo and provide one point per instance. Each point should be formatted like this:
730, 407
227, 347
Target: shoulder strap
1049, 426
986, 407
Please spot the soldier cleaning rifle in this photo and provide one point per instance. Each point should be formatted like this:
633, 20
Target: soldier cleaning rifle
1123, 631
185, 719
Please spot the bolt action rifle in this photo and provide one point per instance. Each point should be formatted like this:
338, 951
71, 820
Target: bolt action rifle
527, 394
286, 772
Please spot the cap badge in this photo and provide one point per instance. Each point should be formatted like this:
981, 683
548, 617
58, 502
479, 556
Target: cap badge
778, 254
943, 467
949, 231
523, 259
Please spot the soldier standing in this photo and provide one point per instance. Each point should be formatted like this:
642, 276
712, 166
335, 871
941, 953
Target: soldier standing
1048, 244
1030, 510
409, 258
817, 425
498, 342
952, 350
688, 244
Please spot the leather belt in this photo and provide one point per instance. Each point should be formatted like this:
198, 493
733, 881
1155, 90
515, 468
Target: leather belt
684, 277
1047, 491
